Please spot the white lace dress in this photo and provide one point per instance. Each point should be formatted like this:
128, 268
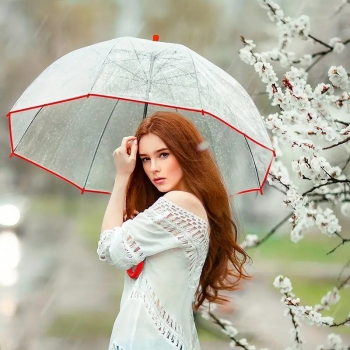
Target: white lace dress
156, 308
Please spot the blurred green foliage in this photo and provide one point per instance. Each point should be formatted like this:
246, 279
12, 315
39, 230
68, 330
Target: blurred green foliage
313, 248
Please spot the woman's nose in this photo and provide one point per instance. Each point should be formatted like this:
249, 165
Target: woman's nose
154, 165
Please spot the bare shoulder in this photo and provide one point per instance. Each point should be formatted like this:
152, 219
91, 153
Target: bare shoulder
187, 201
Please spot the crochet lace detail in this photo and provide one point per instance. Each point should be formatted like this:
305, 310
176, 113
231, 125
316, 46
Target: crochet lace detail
132, 249
189, 229
168, 327
103, 243
133, 252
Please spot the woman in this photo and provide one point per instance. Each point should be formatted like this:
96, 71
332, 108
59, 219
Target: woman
183, 232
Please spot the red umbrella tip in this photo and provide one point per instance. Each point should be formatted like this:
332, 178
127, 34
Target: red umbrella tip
155, 37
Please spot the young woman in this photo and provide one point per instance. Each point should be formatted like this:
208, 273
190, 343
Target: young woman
183, 233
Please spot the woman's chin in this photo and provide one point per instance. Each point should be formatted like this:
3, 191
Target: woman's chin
163, 189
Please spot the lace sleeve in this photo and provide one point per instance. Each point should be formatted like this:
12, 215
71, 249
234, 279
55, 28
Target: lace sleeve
103, 244
161, 227
129, 244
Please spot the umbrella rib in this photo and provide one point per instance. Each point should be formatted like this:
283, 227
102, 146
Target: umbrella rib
103, 64
99, 141
173, 76
180, 69
130, 80
28, 126
139, 61
160, 52
196, 77
251, 154
166, 83
129, 71
174, 52
160, 82
165, 93
133, 87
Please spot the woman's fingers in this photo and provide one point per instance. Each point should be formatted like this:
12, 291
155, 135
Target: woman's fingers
133, 149
125, 156
127, 143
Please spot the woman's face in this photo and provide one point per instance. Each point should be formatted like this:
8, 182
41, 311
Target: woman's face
160, 163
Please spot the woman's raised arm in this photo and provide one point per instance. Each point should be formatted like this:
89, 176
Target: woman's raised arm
114, 212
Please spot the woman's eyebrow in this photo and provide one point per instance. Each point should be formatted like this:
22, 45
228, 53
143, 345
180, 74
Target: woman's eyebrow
162, 149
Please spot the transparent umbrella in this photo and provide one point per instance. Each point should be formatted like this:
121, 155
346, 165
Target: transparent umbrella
76, 112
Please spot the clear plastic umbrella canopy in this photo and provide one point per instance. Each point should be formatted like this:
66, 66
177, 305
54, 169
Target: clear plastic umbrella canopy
75, 113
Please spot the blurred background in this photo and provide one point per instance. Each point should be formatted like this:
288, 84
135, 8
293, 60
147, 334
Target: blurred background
54, 292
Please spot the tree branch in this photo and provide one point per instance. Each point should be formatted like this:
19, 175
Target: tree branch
347, 320
342, 284
321, 53
272, 231
341, 122
295, 324
344, 240
321, 42
337, 144
217, 321
347, 162
276, 178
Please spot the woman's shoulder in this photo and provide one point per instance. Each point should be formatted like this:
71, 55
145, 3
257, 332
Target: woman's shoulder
188, 202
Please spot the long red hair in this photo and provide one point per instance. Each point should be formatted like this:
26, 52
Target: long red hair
224, 265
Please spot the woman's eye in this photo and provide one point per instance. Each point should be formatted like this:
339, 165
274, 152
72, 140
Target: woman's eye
162, 155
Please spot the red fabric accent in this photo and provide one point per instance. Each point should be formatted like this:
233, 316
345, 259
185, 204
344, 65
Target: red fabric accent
135, 273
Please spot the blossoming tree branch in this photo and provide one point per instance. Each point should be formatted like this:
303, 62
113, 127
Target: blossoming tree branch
303, 112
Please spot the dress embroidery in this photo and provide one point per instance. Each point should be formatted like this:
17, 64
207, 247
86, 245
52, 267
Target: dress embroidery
167, 326
133, 251
189, 229
103, 244
173, 227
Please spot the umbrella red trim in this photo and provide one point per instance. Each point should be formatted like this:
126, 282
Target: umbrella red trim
83, 190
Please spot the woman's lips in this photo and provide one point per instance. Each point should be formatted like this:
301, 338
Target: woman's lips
160, 181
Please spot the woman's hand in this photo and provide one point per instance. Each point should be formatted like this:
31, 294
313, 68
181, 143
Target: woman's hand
125, 156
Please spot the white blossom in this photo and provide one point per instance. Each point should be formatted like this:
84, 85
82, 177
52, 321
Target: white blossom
314, 167
276, 147
322, 91
283, 284
345, 208
338, 76
337, 45
205, 308
327, 222
230, 331
279, 175
250, 241
331, 298
266, 72
303, 117
306, 60
246, 56
334, 342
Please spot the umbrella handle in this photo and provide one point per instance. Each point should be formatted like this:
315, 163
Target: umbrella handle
135, 273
